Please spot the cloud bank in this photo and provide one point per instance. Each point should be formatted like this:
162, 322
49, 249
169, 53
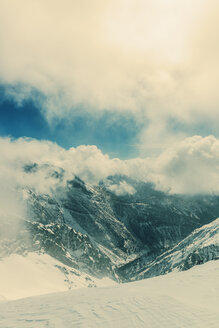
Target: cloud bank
189, 167
152, 59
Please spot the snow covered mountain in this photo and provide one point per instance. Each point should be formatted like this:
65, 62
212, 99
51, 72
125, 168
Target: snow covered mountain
101, 232
199, 247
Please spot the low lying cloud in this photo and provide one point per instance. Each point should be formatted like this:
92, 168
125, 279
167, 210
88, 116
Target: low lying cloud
191, 166
12, 207
153, 59
122, 188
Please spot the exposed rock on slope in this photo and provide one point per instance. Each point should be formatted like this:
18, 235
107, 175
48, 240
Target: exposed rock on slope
91, 229
199, 247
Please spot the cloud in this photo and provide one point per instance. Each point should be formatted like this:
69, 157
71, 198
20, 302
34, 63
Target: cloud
190, 167
122, 188
153, 59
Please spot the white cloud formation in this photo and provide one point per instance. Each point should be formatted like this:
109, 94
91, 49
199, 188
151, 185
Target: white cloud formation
191, 166
122, 188
155, 59
188, 167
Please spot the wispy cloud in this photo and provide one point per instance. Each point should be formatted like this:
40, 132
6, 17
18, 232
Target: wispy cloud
191, 166
152, 59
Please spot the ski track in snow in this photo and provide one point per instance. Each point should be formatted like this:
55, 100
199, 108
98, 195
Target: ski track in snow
182, 299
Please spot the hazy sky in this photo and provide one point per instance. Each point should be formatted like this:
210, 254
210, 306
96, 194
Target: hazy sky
127, 73
133, 77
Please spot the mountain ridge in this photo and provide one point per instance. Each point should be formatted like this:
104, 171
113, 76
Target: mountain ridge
103, 234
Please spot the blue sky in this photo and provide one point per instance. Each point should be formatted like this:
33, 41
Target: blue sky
117, 138
137, 79
129, 77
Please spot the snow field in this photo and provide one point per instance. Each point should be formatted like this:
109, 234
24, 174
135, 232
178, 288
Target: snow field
179, 299
37, 274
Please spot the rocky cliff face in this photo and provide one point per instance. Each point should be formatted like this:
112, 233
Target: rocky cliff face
125, 237
199, 247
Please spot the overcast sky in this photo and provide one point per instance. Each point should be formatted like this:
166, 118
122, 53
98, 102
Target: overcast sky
136, 78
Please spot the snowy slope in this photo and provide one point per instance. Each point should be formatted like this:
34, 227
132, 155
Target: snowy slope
93, 230
182, 299
83, 217
199, 247
36, 274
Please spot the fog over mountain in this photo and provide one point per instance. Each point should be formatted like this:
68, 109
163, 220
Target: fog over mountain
189, 167
105, 217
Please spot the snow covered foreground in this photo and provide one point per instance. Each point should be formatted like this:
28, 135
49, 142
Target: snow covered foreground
179, 299
37, 274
